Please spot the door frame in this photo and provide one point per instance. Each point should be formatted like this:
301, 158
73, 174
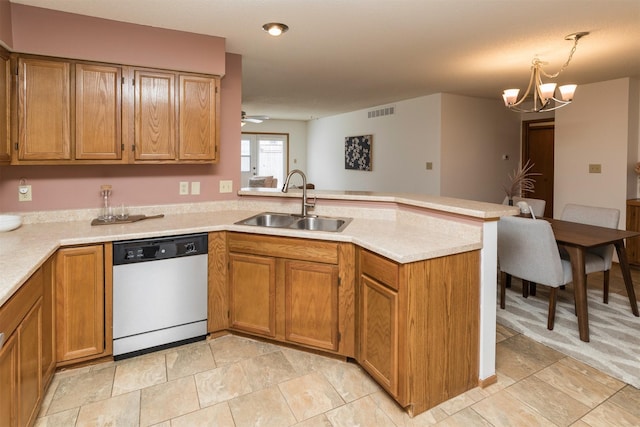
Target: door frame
527, 125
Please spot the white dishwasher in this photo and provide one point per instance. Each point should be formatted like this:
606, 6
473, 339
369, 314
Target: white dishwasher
159, 293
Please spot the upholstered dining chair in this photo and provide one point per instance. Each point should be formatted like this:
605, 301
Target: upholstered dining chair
527, 249
596, 259
537, 205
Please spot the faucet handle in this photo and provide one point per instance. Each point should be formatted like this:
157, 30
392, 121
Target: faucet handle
312, 204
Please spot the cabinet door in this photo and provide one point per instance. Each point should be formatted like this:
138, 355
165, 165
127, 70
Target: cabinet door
311, 304
5, 107
633, 224
9, 382
379, 333
30, 365
80, 326
198, 118
44, 110
98, 112
155, 121
252, 294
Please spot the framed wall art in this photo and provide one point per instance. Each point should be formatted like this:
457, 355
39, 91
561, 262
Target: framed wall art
357, 152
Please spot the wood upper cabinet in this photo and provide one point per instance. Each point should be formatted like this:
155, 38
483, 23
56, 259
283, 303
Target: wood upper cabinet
199, 109
44, 109
98, 118
80, 304
293, 290
21, 382
5, 107
155, 117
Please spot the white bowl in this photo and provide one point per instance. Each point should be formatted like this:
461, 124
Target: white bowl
10, 222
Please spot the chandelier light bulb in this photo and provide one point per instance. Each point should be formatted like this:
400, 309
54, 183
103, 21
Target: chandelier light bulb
567, 92
547, 90
510, 96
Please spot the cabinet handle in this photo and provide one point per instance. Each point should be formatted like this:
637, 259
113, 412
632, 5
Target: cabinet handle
1, 340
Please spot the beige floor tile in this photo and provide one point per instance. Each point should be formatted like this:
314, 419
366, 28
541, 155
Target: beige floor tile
77, 390
596, 375
362, 412
518, 357
628, 399
465, 418
162, 424
350, 381
61, 419
221, 384
230, 349
189, 360
318, 421
267, 370
502, 409
305, 362
265, 407
462, 401
218, 415
310, 395
611, 415
164, 401
400, 417
502, 333
558, 407
139, 372
583, 387
121, 410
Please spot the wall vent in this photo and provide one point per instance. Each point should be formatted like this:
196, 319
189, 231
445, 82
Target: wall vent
380, 112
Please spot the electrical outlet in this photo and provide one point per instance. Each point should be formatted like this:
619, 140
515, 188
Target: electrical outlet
595, 168
195, 187
24, 193
226, 186
184, 188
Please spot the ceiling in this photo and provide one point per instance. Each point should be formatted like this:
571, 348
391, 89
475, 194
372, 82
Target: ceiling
346, 55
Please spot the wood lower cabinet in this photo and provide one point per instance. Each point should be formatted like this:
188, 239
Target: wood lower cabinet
633, 224
80, 304
252, 294
21, 355
293, 290
419, 326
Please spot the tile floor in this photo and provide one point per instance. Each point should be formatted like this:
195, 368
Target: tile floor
235, 381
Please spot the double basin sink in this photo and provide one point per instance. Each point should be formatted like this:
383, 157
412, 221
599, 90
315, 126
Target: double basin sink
296, 222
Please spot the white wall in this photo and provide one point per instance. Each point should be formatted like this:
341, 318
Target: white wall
463, 137
297, 131
600, 127
476, 133
402, 144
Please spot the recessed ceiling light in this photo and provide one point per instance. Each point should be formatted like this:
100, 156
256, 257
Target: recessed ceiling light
275, 28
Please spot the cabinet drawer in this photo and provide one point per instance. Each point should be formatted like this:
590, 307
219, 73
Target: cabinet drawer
379, 268
17, 307
284, 247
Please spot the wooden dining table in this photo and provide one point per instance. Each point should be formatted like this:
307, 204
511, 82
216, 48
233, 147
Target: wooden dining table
576, 238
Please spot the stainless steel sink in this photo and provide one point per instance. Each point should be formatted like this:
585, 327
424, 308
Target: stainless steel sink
283, 220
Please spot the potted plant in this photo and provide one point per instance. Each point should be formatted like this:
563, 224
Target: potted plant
521, 181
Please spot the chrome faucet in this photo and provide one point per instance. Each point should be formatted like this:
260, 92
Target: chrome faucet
305, 204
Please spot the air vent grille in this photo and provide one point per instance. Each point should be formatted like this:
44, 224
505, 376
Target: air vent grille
381, 112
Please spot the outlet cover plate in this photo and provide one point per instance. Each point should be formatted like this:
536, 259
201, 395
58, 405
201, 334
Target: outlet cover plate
226, 186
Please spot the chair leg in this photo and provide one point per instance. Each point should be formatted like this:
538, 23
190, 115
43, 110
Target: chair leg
508, 277
605, 288
552, 308
525, 288
532, 289
503, 282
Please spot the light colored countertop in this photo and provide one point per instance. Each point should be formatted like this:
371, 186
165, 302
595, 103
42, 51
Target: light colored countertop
403, 236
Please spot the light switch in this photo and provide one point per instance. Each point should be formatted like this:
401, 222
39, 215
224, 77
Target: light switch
184, 188
595, 168
429, 166
226, 186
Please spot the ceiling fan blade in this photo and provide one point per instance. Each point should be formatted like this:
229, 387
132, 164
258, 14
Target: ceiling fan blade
251, 120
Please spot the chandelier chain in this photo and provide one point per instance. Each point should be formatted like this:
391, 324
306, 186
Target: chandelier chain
566, 64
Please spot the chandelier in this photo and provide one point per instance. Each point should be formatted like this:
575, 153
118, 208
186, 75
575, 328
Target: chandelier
544, 98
